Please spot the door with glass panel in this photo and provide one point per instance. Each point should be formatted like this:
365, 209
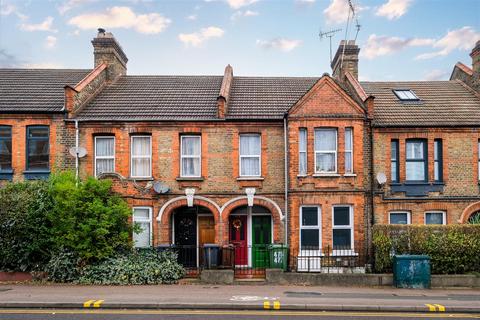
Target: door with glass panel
310, 253
142, 219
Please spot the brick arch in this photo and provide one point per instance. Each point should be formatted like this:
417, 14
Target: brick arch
165, 213
275, 211
471, 209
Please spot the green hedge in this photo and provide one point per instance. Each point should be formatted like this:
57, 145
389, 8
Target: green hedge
453, 249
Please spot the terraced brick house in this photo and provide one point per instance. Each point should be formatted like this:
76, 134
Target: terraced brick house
246, 162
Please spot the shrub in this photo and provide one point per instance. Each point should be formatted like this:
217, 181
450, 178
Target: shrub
135, 267
453, 249
24, 228
63, 266
88, 219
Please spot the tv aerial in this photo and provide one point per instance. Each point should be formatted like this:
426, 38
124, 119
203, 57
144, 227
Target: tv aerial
329, 34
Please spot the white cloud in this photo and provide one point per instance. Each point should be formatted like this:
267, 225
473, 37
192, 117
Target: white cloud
305, 2
377, 46
196, 39
463, 38
436, 74
46, 25
50, 42
70, 4
393, 9
192, 17
282, 44
122, 17
337, 11
7, 9
236, 4
247, 13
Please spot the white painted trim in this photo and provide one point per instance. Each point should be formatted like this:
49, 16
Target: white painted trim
169, 202
240, 156
315, 151
317, 227
280, 213
95, 157
409, 216
132, 137
350, 226
444, 216
182, 156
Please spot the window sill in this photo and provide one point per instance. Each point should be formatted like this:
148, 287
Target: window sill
306, 175
6, 175
190, 178
36, 174
350, 175
326, 175
250, 178
140, 179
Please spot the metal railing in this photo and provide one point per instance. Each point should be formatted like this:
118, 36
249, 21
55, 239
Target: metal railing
329, 259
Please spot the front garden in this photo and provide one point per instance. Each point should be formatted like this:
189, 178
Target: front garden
76, 231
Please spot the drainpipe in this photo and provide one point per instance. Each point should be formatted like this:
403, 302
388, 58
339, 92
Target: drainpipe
76, 148
285, 142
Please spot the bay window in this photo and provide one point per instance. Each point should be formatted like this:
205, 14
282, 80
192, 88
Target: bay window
104, 155
342, 232
325, 150
190, 157
141, 157
250, 155
38, 148
142, 217
416, 160
302, 152
5, 148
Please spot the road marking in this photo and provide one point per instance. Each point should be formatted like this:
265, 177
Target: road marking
431, 307
242, 312
276, 305
98, 303
266, 304
440, 307
87, 304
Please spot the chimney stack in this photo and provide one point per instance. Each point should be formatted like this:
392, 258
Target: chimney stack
475, 54
349, 50
107, 50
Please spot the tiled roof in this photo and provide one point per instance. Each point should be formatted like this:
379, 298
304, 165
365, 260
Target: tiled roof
265, 97
156, 98
36, 90
442, 103
194, 98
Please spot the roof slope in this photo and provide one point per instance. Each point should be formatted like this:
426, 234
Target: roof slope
36, 90
266, 97
156, 98
442, 103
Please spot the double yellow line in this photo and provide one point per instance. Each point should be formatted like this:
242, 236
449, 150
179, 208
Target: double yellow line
275, 305
435, 307
93, 303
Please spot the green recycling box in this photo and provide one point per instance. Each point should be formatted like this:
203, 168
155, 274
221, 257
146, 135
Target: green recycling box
278, 256
411, 271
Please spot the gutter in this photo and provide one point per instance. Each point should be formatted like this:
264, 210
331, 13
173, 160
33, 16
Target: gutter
285, 142
76, 149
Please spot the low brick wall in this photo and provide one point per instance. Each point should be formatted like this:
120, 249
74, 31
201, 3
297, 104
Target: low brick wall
15, 276
276, 276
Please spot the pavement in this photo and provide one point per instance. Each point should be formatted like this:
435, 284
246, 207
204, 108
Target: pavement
239, 297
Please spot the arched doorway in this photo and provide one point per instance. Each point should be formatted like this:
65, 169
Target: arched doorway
250, 231
192, 227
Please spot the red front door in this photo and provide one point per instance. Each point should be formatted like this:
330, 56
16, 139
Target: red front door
238, 237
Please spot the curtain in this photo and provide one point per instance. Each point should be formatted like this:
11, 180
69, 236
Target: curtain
325, 140
302, 147
141, 157
250, 166
104, 151
415, 170
325, 162
250, 145
142, 239
191, 156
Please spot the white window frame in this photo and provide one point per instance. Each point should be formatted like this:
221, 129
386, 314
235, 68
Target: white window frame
444, 217
149, 220
182, 156
103, 157
409, 216
349, 150
300, 152
140, 157
316, 227
350, 226
249, 156
326, 151
310, 259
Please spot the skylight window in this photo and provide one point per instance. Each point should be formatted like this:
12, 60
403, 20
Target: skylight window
406, 95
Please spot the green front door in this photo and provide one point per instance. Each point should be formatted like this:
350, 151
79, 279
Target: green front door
261, 238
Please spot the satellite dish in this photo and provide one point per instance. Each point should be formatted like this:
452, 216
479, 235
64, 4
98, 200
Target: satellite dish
160, 187
381, 178
78, 152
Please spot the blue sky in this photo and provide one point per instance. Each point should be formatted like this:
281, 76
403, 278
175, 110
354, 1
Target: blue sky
399, 39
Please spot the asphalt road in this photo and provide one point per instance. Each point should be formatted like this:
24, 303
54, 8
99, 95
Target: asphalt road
38, 314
